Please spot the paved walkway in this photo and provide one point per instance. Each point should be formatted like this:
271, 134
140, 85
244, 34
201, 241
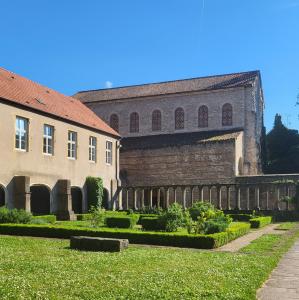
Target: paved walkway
246, 239
283, 283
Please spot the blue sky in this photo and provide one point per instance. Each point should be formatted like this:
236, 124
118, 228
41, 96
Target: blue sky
79, 45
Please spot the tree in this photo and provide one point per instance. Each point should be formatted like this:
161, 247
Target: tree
282, 149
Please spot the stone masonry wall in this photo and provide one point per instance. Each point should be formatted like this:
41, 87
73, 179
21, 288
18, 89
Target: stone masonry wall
190, 164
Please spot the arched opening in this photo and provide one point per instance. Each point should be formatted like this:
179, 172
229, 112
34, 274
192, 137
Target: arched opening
227, 115
114, 122
2, 195
156, 120
179, 118
203, 116
105, 202
76, 199
134, 122
40, 200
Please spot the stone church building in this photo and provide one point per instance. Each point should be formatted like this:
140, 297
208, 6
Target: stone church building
204, 129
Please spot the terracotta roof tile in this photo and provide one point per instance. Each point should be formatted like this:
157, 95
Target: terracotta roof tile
22, 91
170, 87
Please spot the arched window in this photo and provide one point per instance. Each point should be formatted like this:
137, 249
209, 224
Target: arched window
156, 120
114, 122
203, 116
134, 122
227, 115
179, 118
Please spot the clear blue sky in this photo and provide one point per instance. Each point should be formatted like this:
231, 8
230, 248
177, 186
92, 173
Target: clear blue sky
73, 45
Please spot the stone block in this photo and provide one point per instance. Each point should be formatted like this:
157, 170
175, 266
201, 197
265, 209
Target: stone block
98, 244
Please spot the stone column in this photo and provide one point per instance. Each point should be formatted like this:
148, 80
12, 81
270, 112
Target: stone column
228, 207
238, 196
267, 198
151, 198
192, 188
159, 197
219, 197
184, 197
210, 194
64, 200
248, 198
278, 197
135, 195
257, 195
175, 194
166, 197
127, 198
21, 192
200, 190
142, 198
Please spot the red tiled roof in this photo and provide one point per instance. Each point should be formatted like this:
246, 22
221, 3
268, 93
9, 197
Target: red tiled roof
208, 83
22, 91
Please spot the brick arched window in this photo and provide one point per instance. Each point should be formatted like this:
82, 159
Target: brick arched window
156, 120
227, 115
203, 116
179, 116
134, 122
114, 122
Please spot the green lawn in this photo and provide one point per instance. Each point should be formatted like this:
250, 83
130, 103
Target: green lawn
286, 226
36, 268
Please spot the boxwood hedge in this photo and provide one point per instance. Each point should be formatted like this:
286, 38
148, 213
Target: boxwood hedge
260, 222
138, 237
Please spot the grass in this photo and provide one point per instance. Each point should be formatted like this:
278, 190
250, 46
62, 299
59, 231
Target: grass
35, 268
286, 226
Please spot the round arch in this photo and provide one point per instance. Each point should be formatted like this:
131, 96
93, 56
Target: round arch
77, 199
40, 199
105, 202
2, 195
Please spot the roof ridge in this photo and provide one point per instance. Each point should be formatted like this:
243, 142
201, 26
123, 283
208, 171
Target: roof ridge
168, 81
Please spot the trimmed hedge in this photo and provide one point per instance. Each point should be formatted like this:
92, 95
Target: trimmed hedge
199, 241
151, 223
260, 222
241, 217
84, 217
46, 218
121, 221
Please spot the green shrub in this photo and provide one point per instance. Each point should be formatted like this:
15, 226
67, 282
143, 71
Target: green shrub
147, 210
46, 219
204, 209
260, 222
219, 224
136, 237
97, 216
121, 221
151, 223
95, 191
84, 217
14, 215
172, 218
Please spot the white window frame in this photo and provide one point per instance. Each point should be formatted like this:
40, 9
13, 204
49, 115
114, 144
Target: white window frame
48, 141
109, 152
19, 132
92, 153
72, 145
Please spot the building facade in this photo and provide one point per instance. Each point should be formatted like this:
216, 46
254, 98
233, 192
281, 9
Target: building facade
185, 131
50, 143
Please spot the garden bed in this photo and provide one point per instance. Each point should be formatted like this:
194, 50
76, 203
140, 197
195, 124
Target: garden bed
177, 239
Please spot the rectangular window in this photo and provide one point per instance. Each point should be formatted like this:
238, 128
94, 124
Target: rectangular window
92, 149
72, 145
21, 142
48, 140
108, 153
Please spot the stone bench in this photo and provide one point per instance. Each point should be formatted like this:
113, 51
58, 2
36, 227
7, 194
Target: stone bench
98, 244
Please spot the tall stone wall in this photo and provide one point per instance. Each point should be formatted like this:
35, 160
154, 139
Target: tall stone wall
188, 164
